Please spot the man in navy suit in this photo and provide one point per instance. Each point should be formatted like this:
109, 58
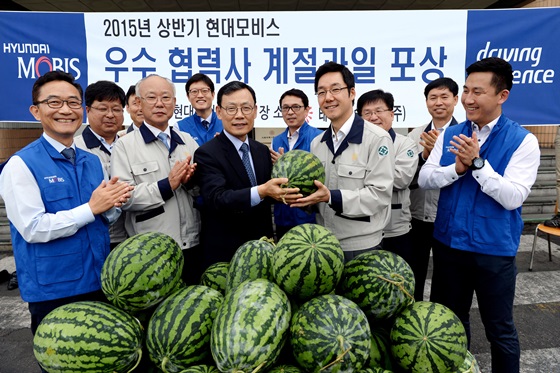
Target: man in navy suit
233, 172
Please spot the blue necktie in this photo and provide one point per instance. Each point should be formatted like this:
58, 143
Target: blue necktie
247, 164
205, 124
163, 137
70, 154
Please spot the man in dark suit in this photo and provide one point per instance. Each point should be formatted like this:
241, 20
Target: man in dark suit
233, 173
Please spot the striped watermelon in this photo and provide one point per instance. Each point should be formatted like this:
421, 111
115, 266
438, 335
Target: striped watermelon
428, 337
308, 262
251, 261
251, 327
178, 334
380, 355
285, 369
330, 333
374, 370
201, 369
142, 271
215, 276
380, 282
470, 365
301, 168
88, 337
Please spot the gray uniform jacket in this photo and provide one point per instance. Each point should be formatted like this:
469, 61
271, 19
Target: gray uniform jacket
139, 158
90, 143
406, 162
360, 178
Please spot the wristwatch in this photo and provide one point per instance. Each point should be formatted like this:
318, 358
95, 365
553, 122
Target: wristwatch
477, 163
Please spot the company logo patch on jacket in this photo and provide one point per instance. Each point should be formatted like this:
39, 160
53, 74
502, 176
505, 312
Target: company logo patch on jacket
383, 151
54, 179
410, 153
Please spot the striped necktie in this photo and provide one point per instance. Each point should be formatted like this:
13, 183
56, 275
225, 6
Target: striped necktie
247, 164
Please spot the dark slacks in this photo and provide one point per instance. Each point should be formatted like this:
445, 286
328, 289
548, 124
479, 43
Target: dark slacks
422, 233
457, 275
193, 265
349, 255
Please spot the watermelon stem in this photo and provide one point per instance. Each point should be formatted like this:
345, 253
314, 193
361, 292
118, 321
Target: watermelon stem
340, 357
267, 239
399, 284
137, 361
164, 363
259, 367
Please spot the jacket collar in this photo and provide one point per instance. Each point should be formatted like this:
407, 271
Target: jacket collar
354, 136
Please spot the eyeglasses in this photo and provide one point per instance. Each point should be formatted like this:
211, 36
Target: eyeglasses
295, 108
153, 99
333, 91
56, 103
377, 112
104, 110
194, 92
232, 110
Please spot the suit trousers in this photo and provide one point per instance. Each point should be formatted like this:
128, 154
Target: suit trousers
457, 275
422, 233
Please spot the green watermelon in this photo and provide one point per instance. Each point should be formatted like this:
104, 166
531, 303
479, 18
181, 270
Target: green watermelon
330, 333
470, 365
380, 354
142, 271
88, 337
285, 369
179, 331
428, 337
301, 168
201, 369
251, 261
308, 262
215, 276
251, 327
374, 370
380, 282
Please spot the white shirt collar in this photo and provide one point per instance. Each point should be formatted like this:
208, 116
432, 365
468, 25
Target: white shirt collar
235, 141
57, 145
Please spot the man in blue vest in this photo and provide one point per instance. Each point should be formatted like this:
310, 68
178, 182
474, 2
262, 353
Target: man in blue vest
294, 104
55, 196
204, 124
485, 168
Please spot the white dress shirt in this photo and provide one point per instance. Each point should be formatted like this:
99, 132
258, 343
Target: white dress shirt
341, 134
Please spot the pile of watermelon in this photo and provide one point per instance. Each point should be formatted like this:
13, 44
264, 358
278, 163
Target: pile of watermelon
290, 307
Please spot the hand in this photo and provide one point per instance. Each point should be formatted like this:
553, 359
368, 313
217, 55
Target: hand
216, 134
190, 170
275, 155
322, 194
108, 195
465, 150
428, 140
273, 188
178, 173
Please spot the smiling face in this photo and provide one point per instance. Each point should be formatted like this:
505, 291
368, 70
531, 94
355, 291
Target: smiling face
106, 118
379, 114
238, 124
293, 119
134, 110
338, 108
159, 112
441, 104
201, 102
61, 124
481, 101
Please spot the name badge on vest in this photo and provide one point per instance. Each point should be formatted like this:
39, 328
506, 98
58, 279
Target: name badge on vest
54, 179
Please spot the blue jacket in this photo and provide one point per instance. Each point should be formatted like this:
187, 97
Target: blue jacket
71, 265
193, 126
285, 215
467, 218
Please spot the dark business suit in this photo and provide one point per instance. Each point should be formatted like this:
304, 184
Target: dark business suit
228, 220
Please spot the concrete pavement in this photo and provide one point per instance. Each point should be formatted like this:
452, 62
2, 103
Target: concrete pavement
536, 312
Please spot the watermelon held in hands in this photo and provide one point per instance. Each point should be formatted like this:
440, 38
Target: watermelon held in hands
428, 337
178, 334
215, 276
380, 282
308, 262
330, 333
251, 327
142, 271
88, 337
301, 168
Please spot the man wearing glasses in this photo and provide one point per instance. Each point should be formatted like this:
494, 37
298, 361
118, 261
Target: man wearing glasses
233, 172
295, 108
105, 109
204, 124
156, 159
55, 197
355, 201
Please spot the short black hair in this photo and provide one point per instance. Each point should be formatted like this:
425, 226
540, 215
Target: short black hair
104, 90
442, 83
374, 96
297, 93
333, 67
502, 72
131, 91
199, 77
233, 87
53, 76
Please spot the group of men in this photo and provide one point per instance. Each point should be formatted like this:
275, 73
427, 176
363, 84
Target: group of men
456, 188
